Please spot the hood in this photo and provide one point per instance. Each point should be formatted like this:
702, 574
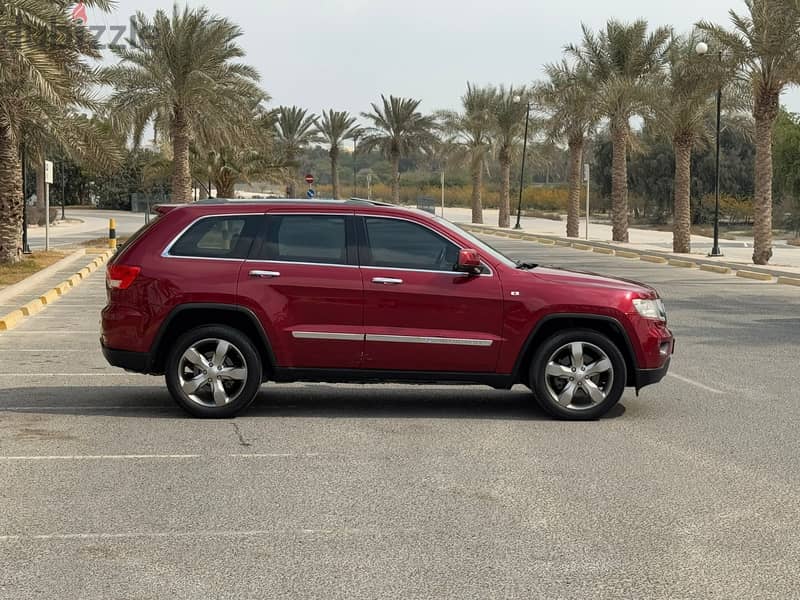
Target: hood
581, 278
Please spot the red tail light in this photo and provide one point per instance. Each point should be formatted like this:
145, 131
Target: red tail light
120, 277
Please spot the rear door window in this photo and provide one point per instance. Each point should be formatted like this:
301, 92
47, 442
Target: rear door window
222, 237
317, 239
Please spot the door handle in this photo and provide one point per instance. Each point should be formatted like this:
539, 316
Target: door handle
387, 281
265, 274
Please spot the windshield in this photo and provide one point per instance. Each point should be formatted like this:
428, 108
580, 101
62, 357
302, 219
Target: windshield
477, 243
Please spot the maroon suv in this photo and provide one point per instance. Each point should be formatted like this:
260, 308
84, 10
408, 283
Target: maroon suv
221, 296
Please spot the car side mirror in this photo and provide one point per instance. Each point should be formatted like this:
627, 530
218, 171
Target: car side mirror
469, 261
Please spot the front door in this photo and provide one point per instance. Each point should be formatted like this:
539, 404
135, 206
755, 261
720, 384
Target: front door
304, 283
419, 313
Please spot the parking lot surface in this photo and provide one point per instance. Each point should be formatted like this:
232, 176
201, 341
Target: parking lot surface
322, 491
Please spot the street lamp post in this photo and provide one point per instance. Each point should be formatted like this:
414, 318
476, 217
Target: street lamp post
702, 50
518, 99
355, 167
63, 194
26, 249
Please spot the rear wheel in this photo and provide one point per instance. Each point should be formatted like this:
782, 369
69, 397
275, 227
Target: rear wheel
213, 372
578, 375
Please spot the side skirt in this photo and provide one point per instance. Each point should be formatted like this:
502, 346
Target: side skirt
282, 375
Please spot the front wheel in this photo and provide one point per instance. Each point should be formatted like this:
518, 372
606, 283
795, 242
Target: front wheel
578, 375
213, 372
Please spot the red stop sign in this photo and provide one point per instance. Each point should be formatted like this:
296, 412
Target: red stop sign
309, 179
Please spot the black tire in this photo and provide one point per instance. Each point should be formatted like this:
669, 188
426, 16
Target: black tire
240, 358
583, 405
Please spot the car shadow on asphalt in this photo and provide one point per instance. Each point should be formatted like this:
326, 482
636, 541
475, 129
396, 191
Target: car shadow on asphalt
301, 401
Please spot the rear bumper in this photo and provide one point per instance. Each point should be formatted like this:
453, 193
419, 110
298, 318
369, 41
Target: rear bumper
645, 377
137, 362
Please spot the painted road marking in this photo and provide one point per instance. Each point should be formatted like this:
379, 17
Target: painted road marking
87, 457
695, 383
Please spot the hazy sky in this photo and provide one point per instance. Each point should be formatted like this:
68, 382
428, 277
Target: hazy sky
343, 54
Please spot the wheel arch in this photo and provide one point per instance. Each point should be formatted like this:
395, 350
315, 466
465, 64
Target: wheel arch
188, 316
555, 323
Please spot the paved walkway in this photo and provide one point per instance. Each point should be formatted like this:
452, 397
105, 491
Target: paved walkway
785, 258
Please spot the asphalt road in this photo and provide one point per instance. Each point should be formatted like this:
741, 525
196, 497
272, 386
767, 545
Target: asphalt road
93, 225
689, 491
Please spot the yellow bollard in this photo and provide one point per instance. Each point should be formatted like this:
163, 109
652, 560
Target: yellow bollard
112, 234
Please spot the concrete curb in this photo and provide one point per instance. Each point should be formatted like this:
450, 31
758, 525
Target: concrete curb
665, 259
33, 280
715, 269
754, 275
15, 317
789, 281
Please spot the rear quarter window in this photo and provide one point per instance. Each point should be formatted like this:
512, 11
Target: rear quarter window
226, 237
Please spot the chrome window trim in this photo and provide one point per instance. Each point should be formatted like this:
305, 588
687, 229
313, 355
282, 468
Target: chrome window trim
439, 233
319, 335
308, 264
439, 341
450, 273
165, 253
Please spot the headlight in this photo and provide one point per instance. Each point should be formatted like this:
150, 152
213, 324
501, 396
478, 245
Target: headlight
651, 309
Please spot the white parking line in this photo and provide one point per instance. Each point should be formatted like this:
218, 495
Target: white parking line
204, 534
696, 383
81, 457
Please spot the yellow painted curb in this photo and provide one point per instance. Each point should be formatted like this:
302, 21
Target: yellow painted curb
686, 264
75, 280
11, 320
32, 307
715, 269
63, 287
581, 247
563, 243
789, 281
600, 250
660, 260
49, 297
754, 275
84, 273
626, 254
546, 242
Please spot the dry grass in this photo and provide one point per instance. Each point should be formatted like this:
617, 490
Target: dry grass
794, 242
30, 264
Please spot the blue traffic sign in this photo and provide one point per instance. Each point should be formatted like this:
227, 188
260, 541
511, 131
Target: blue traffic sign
310, 193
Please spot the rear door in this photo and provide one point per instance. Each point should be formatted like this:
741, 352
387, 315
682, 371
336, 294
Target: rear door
303, 282
419, 313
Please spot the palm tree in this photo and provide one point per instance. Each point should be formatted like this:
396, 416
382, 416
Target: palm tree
568, 99
473, 129
508, 115
179, 73
766, 46
295, 129
45, 78
397, 130
682, 112
625, 62
335, 127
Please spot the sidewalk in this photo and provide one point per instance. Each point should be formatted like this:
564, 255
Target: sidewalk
785, 258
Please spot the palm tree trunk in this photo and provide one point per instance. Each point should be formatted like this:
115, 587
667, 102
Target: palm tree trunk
225, 187
477, 186
619, 181
335, 172
11, 201
765, 113
505, 192
574, 205
396, 178
181, 172
682, 225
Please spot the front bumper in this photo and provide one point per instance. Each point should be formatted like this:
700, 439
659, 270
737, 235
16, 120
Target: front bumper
645, 377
